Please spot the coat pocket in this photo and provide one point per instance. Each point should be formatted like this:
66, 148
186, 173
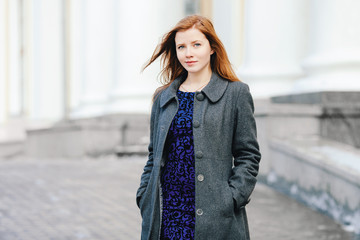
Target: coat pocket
145, 197
144, 202
228, 201
141, 201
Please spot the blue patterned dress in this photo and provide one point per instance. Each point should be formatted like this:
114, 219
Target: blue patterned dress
178, 174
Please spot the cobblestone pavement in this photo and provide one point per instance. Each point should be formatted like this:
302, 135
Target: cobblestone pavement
95, 199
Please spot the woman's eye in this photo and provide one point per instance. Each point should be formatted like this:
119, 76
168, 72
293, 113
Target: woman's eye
197, 44
180, 47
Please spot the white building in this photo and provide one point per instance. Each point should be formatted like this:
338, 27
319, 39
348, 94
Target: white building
63, 59
70, 59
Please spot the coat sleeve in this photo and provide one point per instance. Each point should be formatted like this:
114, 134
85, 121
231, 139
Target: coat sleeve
245, 149
149, 164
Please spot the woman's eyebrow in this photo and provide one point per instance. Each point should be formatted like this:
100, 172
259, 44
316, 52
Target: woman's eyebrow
191, 42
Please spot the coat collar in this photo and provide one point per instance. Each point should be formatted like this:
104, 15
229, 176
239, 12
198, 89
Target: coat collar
213, 90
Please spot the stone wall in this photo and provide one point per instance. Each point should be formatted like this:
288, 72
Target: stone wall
311, 151
340, 113
90, 137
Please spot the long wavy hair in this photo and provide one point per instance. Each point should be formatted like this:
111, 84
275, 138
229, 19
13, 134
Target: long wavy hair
172, 68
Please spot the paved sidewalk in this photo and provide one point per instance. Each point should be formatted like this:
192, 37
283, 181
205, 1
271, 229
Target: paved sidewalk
95, 199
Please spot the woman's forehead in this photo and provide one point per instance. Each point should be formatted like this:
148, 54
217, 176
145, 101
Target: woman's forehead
189, 35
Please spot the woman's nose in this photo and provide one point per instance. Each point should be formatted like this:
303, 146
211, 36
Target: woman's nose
188, 52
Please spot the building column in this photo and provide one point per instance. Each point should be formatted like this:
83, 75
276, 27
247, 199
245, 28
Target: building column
333, 61
10, 60
229, 27
274, 45
139, 28
4, 57
91, 54
15, 78
43, 59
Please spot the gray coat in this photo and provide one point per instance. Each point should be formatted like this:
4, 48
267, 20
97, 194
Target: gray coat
226, 159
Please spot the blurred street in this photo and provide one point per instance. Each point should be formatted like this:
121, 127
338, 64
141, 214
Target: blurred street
74, 199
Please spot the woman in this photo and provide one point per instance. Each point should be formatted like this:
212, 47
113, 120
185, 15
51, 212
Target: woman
203, 153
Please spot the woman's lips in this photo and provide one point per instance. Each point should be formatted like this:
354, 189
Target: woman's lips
190, 63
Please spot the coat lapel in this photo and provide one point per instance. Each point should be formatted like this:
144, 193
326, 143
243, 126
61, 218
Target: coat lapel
215, 88
170, 92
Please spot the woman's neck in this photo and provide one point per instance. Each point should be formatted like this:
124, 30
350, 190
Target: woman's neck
196, 81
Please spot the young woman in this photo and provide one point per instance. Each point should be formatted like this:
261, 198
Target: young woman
203, 152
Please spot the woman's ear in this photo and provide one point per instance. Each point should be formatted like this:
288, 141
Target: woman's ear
212, 51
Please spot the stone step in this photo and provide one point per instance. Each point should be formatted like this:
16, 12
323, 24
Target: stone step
12, 149
323, 174
131, 150
110, 134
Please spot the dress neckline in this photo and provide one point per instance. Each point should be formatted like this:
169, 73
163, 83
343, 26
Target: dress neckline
184, 92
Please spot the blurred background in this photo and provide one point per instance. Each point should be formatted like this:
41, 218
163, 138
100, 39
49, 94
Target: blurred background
71, 84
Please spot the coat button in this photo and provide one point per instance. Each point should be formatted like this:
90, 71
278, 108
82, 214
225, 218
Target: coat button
199, 154
199, 212
196, 123
200, 96
200, 177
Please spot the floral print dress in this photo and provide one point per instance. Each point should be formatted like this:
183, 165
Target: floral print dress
178, 174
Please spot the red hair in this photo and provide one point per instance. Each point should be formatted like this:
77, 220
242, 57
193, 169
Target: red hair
166, 50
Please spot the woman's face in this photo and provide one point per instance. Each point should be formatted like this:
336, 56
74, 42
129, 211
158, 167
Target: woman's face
193, 50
